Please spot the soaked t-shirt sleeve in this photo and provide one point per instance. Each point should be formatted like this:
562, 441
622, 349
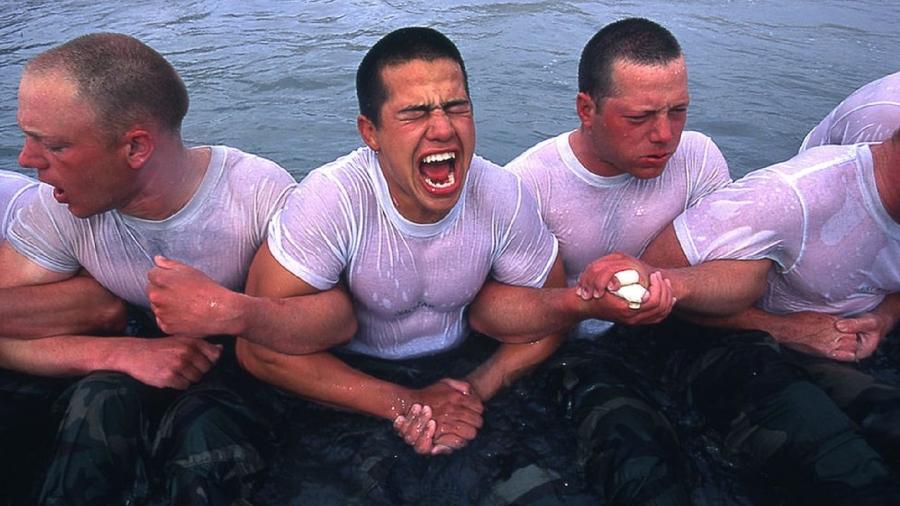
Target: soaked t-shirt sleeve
40, 232
759, 216
526, 249
16, 191
311, 234
711, 170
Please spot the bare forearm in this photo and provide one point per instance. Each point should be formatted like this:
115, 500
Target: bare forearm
510, 362
298, 325
75, 306
750, 318
515, 314
324, 378
58, 356
718, 288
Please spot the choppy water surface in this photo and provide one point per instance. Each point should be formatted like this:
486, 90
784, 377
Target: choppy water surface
276, 78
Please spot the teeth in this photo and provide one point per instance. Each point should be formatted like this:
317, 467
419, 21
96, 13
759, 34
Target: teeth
446, 184
439, 157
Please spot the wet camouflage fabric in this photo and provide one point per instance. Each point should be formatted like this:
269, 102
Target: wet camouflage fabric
771, 417
122, 442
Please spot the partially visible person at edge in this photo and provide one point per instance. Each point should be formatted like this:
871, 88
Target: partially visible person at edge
832, 296
155, 223
75, 305
869, 114
414, 223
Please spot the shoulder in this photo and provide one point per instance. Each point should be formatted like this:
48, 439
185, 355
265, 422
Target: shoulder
488, 179
695, 143
247, 166
535, 158
342, 181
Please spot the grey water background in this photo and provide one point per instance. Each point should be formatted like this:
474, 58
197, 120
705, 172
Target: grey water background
277, 77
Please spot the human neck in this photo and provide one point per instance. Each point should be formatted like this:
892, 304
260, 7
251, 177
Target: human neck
580, 142
168, 181
886, 161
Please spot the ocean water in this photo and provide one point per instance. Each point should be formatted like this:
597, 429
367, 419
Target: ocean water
277, 77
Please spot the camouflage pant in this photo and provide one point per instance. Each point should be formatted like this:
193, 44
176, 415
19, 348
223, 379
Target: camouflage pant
122, 442
773, 417
872, 404
629, 451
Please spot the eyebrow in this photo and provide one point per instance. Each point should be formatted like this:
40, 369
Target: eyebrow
431, 107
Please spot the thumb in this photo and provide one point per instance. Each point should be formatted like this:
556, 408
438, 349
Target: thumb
164, 263
460, 386
853, 325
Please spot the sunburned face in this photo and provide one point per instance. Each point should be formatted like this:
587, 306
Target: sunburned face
636, 129
64, 145
426, 137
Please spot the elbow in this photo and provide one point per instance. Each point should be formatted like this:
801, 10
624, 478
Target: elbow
252, 359
112, 317
346, 332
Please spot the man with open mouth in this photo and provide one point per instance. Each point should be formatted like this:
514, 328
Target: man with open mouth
171, 229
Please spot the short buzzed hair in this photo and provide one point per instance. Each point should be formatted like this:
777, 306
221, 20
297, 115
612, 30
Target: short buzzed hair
395, 48
124, 81
636, 40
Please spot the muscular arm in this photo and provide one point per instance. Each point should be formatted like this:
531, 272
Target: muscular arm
712, 289
174, 362
35, 302
518, 356
279, 310
515, 314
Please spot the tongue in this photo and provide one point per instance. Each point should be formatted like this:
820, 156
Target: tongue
436, 171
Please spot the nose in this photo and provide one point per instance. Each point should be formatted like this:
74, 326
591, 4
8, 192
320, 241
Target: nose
662, 130
439, 126
31, 155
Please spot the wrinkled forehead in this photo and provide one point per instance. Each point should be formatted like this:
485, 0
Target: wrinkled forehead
655, 83
398, 77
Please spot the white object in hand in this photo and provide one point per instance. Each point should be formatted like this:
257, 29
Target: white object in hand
629, 288
627, 277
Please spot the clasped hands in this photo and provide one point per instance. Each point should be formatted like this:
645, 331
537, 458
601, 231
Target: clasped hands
444, 417
599, 281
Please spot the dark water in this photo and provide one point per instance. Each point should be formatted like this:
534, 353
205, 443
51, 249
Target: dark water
276, 78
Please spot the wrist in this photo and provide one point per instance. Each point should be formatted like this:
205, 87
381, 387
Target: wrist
400, 400
241, 309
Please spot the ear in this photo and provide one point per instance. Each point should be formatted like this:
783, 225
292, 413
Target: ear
368, 131
586, 109
139, 145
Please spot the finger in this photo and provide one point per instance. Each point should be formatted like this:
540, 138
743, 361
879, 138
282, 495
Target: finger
460, 386
399, 423
855, 325
197, 359
408, 432
867, 345
843, 356
165, 263
425, 443
441, 450
178, 382
210, 351
191, 373
451, 441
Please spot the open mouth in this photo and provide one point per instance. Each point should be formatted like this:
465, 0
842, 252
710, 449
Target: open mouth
438, 172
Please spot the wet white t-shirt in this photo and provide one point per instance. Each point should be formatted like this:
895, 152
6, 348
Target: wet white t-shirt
869, 114
218, 231
410, 282
819, 217
593, 216
15, 191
